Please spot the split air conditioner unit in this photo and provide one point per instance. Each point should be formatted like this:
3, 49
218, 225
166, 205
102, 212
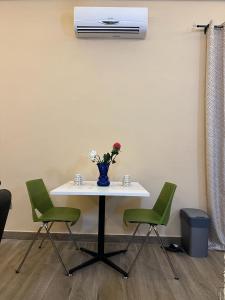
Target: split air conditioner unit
111, 22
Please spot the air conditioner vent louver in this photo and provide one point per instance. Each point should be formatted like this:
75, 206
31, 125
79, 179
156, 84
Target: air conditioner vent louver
110, 22
107, 29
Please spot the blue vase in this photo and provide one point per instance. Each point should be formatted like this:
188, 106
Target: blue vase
103, 179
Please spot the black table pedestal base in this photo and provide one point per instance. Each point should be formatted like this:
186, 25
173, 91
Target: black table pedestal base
103, 258
100, 255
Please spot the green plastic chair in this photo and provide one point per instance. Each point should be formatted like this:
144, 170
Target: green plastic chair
158, 215
44, 211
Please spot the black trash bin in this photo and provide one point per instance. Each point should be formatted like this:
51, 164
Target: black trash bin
194, 231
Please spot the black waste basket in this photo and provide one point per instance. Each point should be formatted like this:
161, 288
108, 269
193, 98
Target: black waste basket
194, 231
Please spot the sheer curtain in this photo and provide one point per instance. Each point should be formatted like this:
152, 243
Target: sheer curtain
215, 135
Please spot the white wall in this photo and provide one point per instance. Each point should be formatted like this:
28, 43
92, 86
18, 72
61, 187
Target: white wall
62, 96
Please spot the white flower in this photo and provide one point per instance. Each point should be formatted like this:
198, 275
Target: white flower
92, 155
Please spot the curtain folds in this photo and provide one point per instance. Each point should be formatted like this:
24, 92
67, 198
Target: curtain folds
215, 135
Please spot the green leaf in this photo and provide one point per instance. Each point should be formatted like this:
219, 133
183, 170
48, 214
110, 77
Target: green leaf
115, 151
106, 158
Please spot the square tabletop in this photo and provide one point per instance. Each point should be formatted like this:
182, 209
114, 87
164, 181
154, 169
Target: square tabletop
90, 188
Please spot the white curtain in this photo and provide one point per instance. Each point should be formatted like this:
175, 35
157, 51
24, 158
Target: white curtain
215, 135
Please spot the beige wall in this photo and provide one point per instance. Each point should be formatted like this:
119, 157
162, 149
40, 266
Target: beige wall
62, 96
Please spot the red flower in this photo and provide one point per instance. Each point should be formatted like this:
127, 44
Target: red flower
117, 146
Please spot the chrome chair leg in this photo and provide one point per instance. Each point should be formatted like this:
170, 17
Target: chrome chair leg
49, 228
29, 248
166, 254
56, 250
132, 238
71, 237
139, 251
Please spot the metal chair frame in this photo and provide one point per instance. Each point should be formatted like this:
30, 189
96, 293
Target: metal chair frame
151, 227
48, 227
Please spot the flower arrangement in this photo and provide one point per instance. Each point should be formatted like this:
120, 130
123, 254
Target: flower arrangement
107, 158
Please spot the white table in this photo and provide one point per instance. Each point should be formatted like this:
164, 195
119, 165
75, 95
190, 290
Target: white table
90, 188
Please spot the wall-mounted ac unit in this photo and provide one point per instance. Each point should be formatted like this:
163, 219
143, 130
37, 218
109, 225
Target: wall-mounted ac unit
111, 22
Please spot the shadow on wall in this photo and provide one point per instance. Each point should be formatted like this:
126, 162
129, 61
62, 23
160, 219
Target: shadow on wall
201, 122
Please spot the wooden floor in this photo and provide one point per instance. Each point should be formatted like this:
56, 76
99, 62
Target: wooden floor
42, 277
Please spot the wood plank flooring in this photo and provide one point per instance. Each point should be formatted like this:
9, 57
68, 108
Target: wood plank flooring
42, 276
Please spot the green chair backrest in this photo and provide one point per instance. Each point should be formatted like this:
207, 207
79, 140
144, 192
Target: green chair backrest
163, 204
39, 197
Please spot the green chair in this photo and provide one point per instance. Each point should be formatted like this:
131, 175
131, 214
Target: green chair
44, 211
158, 215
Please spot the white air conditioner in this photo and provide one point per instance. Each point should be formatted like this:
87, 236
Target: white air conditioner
111, 22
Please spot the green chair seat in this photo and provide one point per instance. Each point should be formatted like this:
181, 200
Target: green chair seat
144, 216
158, 215
60, 214
44, 211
